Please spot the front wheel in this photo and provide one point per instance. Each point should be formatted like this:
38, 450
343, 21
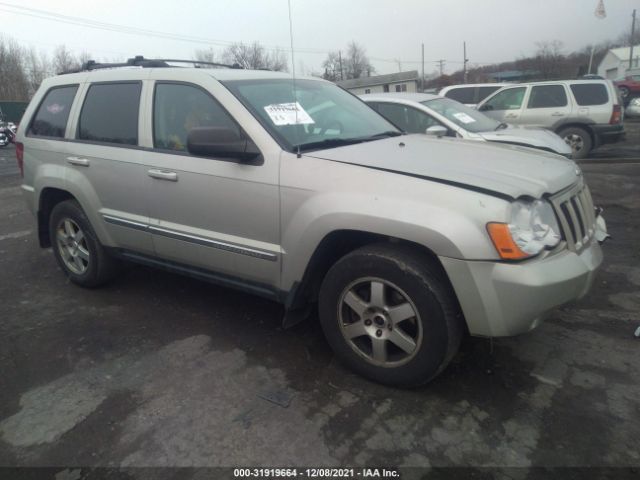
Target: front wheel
579, 140
390, 315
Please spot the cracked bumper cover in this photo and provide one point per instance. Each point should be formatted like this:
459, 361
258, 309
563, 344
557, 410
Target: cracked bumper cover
503, 299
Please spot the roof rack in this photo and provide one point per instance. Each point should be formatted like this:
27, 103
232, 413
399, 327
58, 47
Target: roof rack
140, 61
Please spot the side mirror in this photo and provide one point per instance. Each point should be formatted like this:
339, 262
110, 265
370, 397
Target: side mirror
222, 142
436, 131
486, 107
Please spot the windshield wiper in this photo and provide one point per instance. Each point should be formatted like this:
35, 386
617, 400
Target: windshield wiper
502, 126
340, 142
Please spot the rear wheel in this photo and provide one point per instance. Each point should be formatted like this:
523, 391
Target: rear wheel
390, 315
578, 139
77, 248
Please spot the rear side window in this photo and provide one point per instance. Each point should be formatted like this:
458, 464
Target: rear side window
587, 94
51, 118
110, 113
547, 96
462, 95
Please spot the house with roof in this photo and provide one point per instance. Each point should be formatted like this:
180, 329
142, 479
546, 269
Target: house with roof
393, 82
615, 63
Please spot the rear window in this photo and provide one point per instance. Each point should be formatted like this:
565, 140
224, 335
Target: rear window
590, 93
110, 113
51, 118
547, 96
462, 95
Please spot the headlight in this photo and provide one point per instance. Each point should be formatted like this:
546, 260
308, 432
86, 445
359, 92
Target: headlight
531, 228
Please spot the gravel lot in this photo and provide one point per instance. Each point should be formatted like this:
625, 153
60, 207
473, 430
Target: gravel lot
162, 370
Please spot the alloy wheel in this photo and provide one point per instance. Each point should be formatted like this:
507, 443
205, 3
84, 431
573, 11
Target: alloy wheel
379, 322
72, 246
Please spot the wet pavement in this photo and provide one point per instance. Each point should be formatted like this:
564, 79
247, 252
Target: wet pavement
162, 370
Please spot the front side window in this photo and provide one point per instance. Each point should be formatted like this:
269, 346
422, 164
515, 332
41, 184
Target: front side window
484, 92
321, 116
509, 99
110, 113
587, 94
177, 108
547, 96
51, 118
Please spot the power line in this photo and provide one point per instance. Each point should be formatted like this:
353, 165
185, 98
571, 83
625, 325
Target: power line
118, 28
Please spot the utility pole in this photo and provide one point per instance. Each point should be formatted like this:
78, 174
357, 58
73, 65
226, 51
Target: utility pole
340, 60
441, 62
422, 78
399, 64
633, 30
465, 60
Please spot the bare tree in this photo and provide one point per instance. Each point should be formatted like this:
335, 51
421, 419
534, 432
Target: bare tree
14, 85
331, 67
356, 63
206, 55
254, 56
37, 68
549, 58
64, 60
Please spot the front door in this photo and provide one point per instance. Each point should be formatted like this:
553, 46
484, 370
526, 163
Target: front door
506, 105
546, 105
213, 214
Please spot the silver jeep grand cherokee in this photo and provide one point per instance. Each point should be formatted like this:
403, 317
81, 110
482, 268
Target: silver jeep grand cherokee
404, 242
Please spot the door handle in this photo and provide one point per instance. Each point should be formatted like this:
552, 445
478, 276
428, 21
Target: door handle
557, 114
163, 175
511, 115
81, 162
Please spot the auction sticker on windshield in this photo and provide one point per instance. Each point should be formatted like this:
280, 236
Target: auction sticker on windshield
463, 117
288, 114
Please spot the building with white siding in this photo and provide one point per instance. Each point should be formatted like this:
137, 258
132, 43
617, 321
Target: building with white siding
393, 82
616, 62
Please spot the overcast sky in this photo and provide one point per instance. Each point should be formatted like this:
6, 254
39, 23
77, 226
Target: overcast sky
390, 30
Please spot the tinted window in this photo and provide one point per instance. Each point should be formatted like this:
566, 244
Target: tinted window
462, 95
590, 93
179, 108
468, 118
51, 118
510, 99
484, 92
547, 96
110, 113
407, 118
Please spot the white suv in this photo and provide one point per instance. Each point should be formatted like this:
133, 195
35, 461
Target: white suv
586, 113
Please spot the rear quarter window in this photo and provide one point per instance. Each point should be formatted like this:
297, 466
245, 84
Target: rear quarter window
462, 95
587, 94
110, 113
52, 115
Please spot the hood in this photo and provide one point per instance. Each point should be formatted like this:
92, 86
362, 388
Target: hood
529, 137
503, 169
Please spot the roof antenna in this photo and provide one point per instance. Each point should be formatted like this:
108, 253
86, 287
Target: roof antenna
293, 71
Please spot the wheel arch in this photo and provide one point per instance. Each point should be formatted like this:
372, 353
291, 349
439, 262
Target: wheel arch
333, 246
49, 198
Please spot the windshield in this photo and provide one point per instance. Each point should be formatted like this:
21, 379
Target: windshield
325, 115
468, 118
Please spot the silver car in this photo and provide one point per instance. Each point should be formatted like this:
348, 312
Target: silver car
439, 116
303, 194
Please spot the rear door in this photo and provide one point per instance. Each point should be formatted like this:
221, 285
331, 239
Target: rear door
546, 105
406, 118
506, 105
105, 162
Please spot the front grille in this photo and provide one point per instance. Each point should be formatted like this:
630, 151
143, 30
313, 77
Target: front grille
575, 212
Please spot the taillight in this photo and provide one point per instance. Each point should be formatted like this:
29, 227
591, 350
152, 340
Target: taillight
616, 116
20, 157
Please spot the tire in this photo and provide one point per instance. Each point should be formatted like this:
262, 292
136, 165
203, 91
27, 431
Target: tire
77, 248
413, 288
579, 140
